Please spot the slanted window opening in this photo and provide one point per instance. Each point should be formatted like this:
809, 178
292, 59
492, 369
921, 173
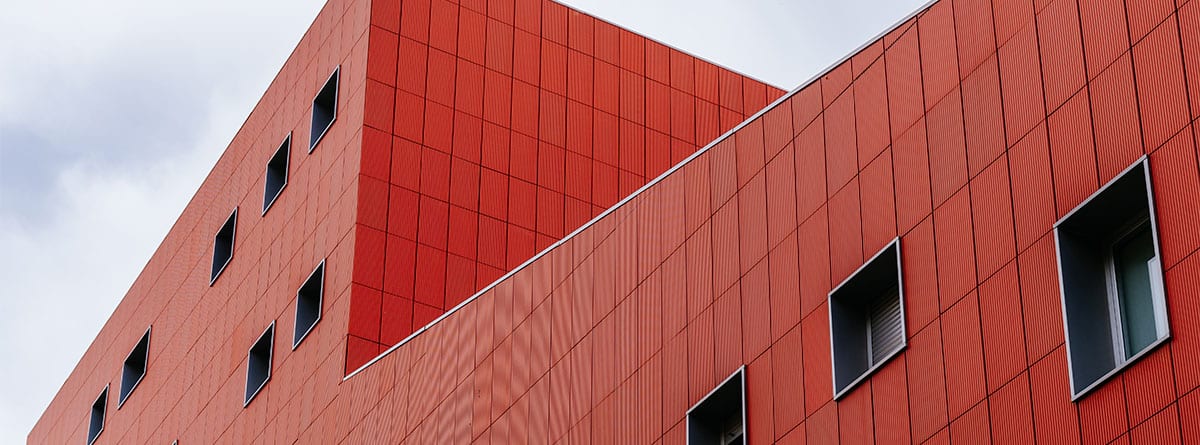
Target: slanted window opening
308, 304
258, 364
324, 110
134, 368
720, 417
96, 420
223, 246
1110, 277
277, 174
866, 319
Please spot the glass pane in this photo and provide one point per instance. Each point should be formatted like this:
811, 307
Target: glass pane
1133, 258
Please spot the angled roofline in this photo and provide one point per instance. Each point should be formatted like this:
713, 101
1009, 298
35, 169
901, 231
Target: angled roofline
813, 79
676, 48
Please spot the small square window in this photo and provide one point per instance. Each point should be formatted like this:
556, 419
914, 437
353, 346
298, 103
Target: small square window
134, 368
223, 246
1114, 304
720, 418
96, 422
277, 174
324, 110
258, 364
308, 304
866, 319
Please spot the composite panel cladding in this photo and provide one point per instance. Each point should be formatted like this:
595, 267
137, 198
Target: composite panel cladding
966, 131
202, 335
494, 129
197, 359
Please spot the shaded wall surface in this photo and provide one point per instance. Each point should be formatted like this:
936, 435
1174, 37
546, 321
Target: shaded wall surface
966, 131
200, 336
494, 129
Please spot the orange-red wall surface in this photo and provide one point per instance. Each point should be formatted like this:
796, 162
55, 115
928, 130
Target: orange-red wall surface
965, 131
494, 129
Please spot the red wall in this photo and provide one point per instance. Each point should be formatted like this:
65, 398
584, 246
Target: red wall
966, 131
495, 128
193, 387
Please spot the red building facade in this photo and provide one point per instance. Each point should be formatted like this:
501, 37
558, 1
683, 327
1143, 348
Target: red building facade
966, 132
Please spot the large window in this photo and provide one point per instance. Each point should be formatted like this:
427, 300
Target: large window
720, 418
866, 319
1113, 301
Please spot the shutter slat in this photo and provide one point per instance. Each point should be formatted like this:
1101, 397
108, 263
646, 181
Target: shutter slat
886, 327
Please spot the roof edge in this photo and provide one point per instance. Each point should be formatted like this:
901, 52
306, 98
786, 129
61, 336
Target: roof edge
813, 79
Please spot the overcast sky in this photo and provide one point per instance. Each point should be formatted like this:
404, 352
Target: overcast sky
112, 113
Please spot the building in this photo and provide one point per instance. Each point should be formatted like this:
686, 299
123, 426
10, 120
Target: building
511, 222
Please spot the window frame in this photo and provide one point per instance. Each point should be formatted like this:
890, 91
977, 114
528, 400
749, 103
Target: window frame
334, 76
91, 438
1111, 290
286, 148
270, 363
122, 394
297, 339
232, 245
872, 368
739, 374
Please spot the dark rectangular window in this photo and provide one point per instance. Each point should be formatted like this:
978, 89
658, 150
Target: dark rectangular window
96, 422
720, 418
223, 246
258, 363
308, 304
277, 174
134, 368
1111, 279
324, 110
866, 319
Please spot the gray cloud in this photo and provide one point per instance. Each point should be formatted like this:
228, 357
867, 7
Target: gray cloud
111, 113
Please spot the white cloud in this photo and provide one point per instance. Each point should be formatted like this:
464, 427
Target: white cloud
780, 42
110, 120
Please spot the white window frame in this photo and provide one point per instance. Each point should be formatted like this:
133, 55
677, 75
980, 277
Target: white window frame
335, 76
297, 338
1158, 290
872, 366
103, 415
740, 375
123, 395
286, 147
270, 363
232, 245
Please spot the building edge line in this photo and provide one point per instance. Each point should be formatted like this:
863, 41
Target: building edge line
811, 80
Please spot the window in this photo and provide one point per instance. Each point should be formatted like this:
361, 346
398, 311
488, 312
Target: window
720, 418
308, 304
134, 368
866, 319
1114, 305
324, 110
96, 423
277, 174
223, 246
258, 364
